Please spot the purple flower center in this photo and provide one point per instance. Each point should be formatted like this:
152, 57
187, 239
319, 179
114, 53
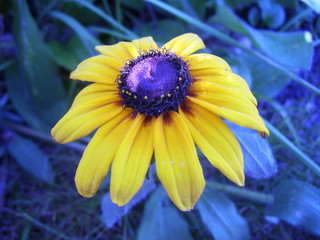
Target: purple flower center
155, 82
152, 77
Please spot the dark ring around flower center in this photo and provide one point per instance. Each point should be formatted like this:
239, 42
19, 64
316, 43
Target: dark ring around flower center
155, 82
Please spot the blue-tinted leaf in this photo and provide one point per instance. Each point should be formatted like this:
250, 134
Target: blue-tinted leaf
162, 221
277, 45
111, 213
266, 79
34, 82
298, 203
220, 216
259, 161
314, 4
31, 158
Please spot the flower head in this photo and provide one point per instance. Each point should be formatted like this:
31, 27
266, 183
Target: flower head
164, 101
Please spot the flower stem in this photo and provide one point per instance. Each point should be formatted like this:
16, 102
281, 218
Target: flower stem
243, 193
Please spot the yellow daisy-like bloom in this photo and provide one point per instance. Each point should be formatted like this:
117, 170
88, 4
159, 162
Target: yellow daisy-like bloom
149, 100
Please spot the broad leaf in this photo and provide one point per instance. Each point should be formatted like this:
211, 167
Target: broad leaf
297, 203
277, 45
31, 158
266, 80
220, 216
34, 83
162, 221
259, 161
111, 213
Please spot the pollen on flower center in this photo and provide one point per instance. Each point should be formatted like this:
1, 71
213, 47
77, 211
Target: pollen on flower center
155, 82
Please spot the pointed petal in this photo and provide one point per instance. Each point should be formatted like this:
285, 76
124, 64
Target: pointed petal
99, 69
207, 61
132, 160
100, 152
177, 163
122, 51
185, 44
216, 141
94, 106
146, 43
232, 108
224, 78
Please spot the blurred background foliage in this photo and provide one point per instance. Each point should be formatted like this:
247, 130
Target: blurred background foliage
273, 44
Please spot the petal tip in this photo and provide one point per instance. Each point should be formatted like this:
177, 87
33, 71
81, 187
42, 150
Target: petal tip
264, 134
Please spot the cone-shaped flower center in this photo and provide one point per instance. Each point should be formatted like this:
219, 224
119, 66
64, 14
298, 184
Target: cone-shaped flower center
155, 82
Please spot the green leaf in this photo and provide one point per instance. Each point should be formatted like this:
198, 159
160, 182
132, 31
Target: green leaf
277, 45
68, 55
220, 216
239, 4
34, 82
111, 213
88, 40
163, 30
162, 221
297, 203
23, 99
105, 16
31, 158
4, 65
259, 161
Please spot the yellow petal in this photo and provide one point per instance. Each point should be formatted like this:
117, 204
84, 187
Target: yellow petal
90, 110
132, 160
122, 51
185, 44
146, 43
225, 79
96, 92
216, 141
100, 69
207, 61
235, 111
177, 163
100, 152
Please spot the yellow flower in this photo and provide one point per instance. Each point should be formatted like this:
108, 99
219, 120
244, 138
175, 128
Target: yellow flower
148, 100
